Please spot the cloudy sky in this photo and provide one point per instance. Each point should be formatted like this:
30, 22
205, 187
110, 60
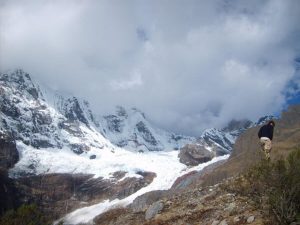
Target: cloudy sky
188, 64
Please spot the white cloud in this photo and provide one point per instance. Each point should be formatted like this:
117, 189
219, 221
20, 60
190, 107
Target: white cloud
134, 81
188, 64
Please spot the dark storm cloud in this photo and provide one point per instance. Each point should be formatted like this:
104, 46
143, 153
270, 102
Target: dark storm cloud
188, 64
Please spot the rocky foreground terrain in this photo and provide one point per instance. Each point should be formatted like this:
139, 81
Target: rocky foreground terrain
198, 205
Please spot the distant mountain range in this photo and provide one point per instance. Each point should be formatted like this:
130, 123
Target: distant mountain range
45, 119
41, 118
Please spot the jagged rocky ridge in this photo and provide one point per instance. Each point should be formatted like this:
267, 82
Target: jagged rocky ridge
43, 119
131, 130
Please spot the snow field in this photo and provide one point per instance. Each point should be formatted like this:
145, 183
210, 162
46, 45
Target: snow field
167, 167
165, 164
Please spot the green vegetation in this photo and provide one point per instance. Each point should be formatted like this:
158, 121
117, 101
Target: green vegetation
275, 187
24, 215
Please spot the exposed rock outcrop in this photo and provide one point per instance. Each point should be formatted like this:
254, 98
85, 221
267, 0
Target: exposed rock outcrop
193, 178
59, 194
8, 157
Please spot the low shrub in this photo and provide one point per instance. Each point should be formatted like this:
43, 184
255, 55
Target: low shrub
24, 215
276, 184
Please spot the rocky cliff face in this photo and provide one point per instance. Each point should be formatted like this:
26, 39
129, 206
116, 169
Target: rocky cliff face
8, 151
59, 194
8, 157
43, 124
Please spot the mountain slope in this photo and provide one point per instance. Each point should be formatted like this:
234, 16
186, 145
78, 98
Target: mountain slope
199, 203
246, 151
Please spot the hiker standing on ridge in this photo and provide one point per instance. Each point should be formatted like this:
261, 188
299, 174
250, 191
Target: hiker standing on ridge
265, 135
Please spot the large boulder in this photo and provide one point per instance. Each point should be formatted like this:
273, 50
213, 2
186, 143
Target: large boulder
143, 202
193, 155
154, 209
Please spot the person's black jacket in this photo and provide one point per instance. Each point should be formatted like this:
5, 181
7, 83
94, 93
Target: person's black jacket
266, 131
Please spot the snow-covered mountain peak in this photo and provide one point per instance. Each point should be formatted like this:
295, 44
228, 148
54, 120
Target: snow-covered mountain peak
21, 83
31, 119
130, 129
41, 118
18, 78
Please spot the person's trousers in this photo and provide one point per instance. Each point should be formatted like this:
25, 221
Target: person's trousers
266, 146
